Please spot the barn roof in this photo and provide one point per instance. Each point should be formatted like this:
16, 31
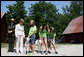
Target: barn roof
75, 26
2, 14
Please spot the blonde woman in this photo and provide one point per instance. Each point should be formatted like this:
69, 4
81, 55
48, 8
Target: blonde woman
19, 33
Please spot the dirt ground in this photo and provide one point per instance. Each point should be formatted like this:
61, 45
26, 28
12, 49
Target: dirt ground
63, 50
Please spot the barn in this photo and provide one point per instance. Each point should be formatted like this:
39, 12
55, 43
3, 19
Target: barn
74, 31
3, 27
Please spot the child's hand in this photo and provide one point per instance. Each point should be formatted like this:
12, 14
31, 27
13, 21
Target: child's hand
27, 38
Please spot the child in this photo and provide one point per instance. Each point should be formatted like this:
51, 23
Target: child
43, 36
51, 38
32, 36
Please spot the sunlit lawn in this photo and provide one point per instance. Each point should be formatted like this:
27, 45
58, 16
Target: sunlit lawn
3, 45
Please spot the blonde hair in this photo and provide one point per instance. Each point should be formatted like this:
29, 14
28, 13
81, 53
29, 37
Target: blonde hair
32, 21
22, 20
12, 19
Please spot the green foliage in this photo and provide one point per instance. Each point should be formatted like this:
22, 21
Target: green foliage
45, 12
16, 11
75, 9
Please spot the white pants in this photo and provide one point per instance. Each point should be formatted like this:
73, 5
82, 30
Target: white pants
38, 43
19, 43
27, 44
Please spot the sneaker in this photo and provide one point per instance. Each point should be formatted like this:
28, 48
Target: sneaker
8, 51
56, 52
26, 52
38, 51
29, 51
46, 53
17, 52
49, 52
31, 54
42, 52
12, 50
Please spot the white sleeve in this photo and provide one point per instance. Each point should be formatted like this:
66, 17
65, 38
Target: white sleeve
23, 31
16, 30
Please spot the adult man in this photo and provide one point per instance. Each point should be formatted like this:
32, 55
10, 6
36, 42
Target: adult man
19, 33
11, 35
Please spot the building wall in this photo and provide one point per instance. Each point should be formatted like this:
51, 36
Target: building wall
76, 38
3, 29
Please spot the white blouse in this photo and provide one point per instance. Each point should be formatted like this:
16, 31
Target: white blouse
19, 30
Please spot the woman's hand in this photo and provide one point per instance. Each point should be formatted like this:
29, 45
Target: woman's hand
16, 37
39, 36
24, 37
9, 31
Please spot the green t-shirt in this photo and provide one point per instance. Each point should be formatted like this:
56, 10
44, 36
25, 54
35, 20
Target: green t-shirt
44, 33
32, 29
52, 34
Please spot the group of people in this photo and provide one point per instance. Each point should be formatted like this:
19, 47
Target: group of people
46, 36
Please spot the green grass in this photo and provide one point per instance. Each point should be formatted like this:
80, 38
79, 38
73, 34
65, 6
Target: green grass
3, 45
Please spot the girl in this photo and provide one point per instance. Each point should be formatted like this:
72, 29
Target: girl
51, 40
43, 36
31, 35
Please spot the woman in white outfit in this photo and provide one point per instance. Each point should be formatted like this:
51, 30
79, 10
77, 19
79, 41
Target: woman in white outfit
19, 33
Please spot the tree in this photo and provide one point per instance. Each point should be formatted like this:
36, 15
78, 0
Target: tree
75, 9
16, 11
45, 12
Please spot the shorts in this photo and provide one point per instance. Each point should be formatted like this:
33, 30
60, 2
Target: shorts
32, 39
50, 37
43, 39
51, 42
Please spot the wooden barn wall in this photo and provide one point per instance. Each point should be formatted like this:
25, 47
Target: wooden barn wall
3, 29
78, 37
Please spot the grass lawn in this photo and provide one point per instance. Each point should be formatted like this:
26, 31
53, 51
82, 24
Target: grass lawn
3, 45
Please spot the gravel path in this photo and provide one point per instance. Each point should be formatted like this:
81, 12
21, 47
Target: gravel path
63, 50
